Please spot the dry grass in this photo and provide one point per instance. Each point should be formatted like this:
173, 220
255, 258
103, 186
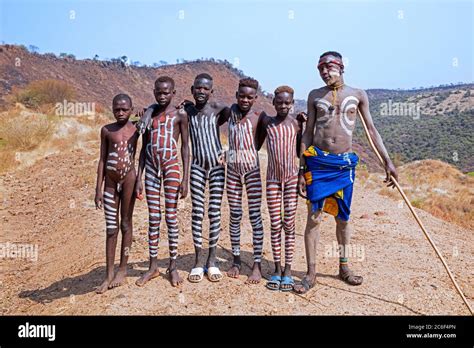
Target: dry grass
21, 133
438, 188
43, 94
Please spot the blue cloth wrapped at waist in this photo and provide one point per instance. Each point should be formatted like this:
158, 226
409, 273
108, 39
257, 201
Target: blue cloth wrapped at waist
329, 181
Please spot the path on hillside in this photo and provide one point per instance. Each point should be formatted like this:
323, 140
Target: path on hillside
51, 204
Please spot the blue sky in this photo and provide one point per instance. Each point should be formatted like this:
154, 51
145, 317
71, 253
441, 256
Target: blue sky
386, 44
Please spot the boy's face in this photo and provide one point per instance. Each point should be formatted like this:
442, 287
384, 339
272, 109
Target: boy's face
246, 97
202, 90
122, 110
163, 93
283, 102
329, 69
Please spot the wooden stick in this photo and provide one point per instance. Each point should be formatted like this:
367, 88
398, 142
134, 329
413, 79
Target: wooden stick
415, 216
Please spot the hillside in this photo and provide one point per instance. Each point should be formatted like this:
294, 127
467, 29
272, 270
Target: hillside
439, 124
98, 81
429, 123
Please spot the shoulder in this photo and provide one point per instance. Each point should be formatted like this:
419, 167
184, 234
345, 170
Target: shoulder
253, 115
263, 118
358, 92
180, 113
317, 92
105, 130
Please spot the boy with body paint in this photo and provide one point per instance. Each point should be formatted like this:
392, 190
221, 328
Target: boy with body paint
162, 128
283, 134
116, 171
207, 165
243, 168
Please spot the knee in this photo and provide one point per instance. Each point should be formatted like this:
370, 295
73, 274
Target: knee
341, 223
236, 215
125, 225
112, 232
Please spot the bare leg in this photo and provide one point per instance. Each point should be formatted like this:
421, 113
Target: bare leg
126, 211
234, 196
171, 183
216, 191
290, 203
111, 207
254, 194
152, 189
274, 195
343, 234
198, 187
311, 240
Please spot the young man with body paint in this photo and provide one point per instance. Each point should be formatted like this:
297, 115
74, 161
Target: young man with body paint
163, 125
207, 165
327, 164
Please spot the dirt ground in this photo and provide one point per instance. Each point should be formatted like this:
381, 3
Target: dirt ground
50, 204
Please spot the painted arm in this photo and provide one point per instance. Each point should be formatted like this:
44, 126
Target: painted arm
141, 166
183, 125
223, 114
145, 120
101, 169
261, 132
390, 169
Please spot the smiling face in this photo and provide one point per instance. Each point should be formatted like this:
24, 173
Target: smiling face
202, 90
330, 69
163, 93
246, 97
122, 110
283, 102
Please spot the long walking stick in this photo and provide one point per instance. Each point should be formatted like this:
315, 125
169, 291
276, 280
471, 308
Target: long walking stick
416, 216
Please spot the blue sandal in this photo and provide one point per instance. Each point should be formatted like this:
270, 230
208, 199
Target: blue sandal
274, 283
287, 281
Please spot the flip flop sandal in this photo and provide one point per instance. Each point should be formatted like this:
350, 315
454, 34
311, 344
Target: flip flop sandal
306, 286
287, 281
274, 283
212, 272
198, 271
350, 278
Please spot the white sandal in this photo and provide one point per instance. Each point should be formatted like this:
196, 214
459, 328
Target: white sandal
198, 271
214, 271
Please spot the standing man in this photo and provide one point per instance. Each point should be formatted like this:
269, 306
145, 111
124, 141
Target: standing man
326, 174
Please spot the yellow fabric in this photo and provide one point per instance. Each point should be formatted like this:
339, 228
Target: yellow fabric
308, 177
330, 206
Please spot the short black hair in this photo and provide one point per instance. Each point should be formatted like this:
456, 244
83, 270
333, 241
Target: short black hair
248, 82
165, 79
122, 96
203, 76
283, 89
331, 53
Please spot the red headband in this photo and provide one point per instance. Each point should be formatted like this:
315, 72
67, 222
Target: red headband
329, 60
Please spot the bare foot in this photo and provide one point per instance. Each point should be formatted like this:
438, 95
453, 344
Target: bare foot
234, 271
149, 275
256, 275
119, 279
175, 279
104, 286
